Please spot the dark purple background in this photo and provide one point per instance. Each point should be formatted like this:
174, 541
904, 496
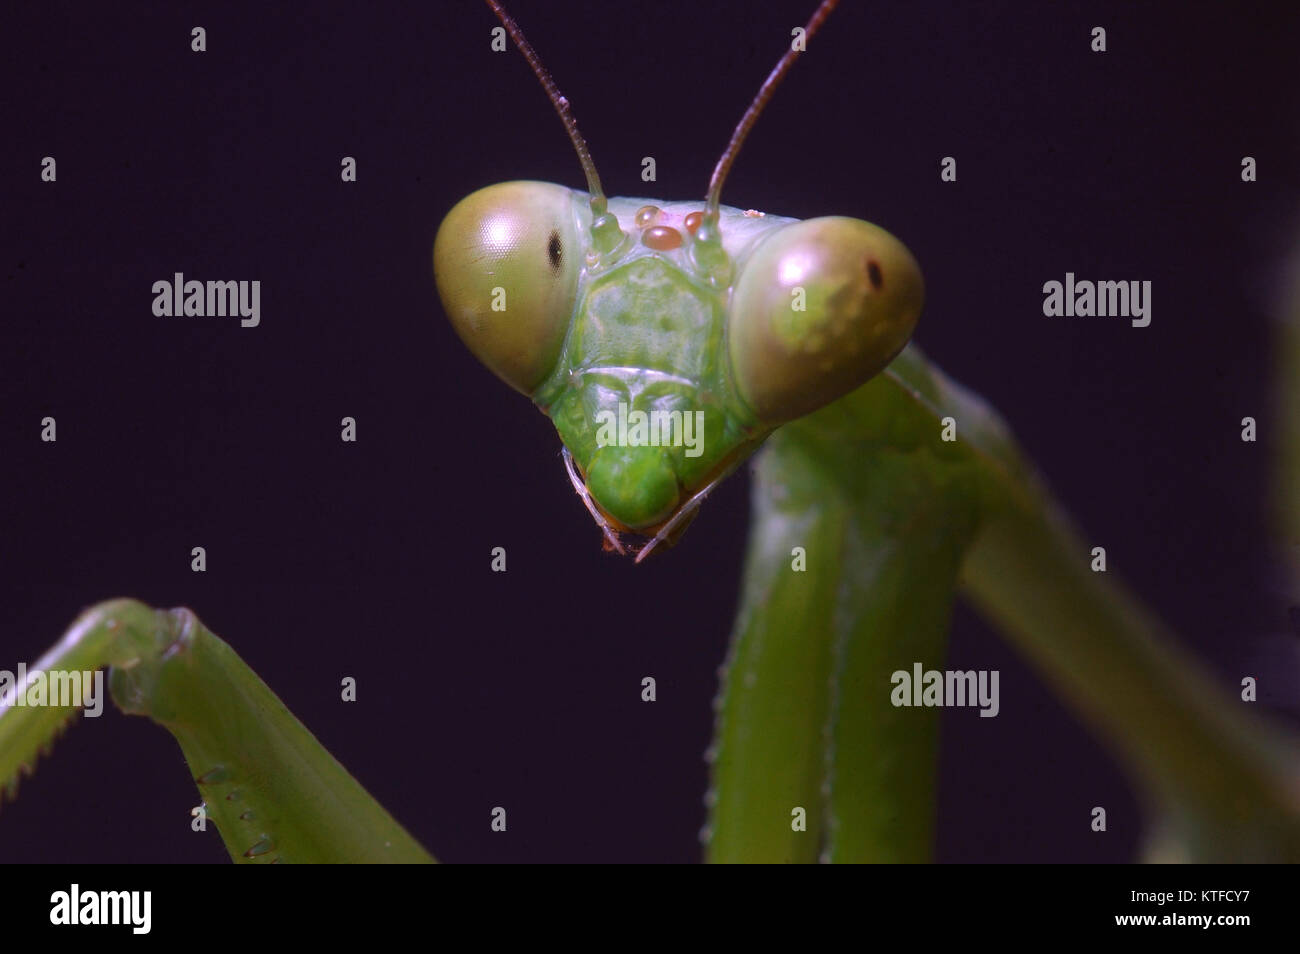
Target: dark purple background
372, 560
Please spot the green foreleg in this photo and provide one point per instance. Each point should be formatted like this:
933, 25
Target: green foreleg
272, 790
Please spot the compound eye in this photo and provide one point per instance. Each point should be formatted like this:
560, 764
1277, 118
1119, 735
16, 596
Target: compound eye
506, 262
819, 308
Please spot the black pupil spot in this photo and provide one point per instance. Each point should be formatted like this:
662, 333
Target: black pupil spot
555, 250
873, 273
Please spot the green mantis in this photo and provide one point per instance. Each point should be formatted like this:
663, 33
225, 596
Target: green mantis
669, 311
759, 323
865, 521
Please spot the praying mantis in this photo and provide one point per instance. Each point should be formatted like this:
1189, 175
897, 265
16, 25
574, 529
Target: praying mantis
887, 515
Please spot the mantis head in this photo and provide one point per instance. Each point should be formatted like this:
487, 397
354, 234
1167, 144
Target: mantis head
666, 340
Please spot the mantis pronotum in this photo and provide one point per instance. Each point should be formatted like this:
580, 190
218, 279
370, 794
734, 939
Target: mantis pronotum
888, 430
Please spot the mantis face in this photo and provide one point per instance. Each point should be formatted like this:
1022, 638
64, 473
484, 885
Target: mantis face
666, 340
658, 377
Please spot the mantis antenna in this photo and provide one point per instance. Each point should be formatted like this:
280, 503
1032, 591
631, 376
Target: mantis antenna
752, 113
561, 104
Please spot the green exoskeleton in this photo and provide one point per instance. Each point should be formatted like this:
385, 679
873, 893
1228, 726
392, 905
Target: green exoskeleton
868, 511
712, 324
